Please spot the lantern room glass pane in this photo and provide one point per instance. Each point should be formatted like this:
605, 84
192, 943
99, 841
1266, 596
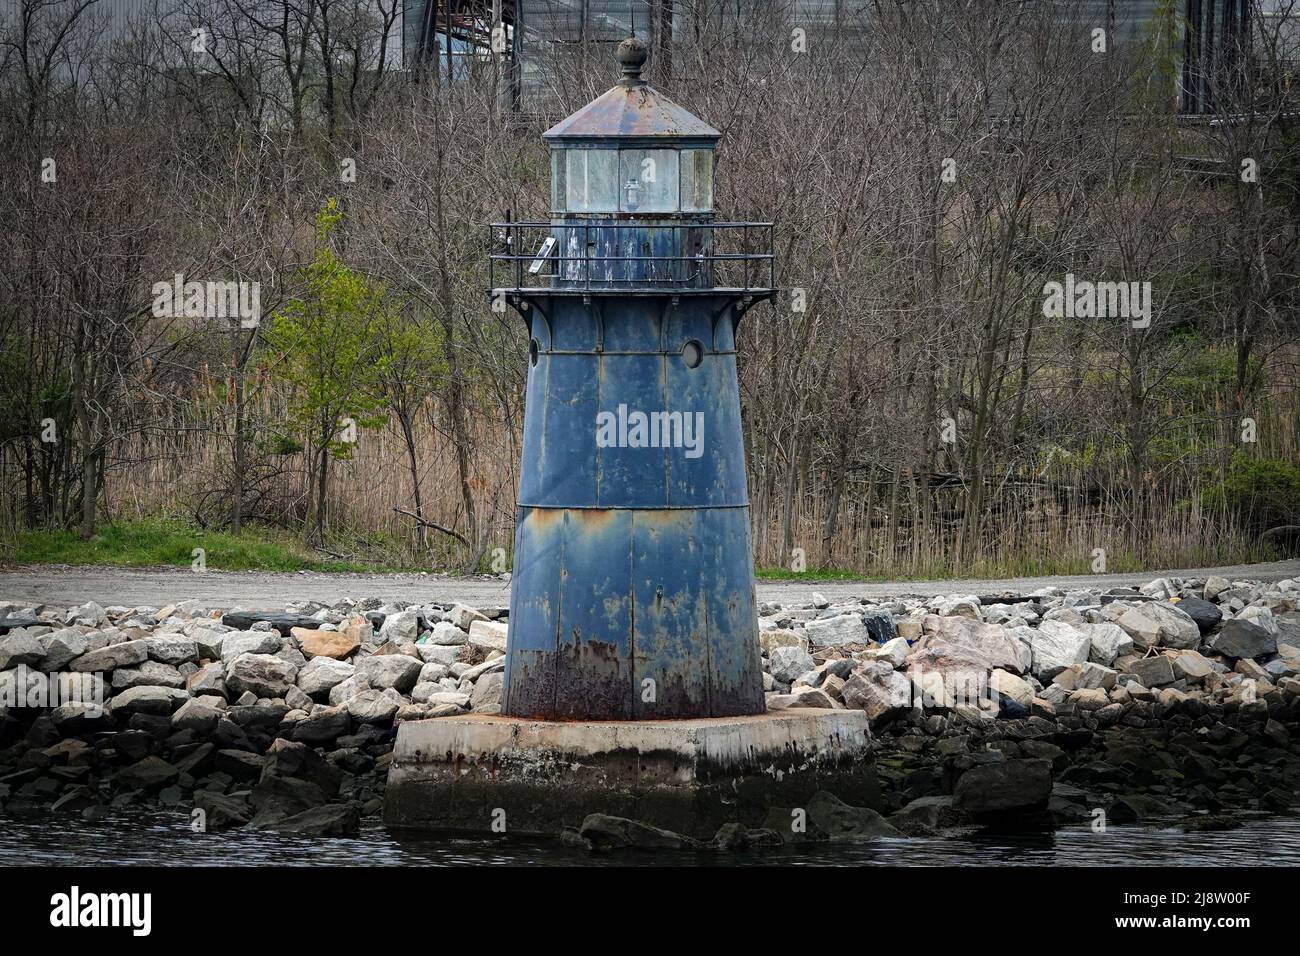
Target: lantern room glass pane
697, 180
558, 197
591, 180
648, 180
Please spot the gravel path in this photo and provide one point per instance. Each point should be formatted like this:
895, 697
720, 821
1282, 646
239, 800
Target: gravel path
61, 585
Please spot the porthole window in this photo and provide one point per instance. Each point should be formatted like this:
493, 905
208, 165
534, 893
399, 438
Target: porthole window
533, 349
693, 353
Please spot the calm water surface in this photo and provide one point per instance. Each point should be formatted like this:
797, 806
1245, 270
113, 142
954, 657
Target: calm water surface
165, 839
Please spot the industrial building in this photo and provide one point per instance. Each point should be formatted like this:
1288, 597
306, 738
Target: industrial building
447, 36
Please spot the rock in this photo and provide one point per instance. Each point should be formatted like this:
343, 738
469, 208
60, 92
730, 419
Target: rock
372, 707
880, 626
488, 634
1156, 623
445, 654
878, 690
732, 837
1242, 638
1191, 667
604, 832
463, 616
198, 716
894, 652
172, 649
150, 673
147, 700
772, 639
402, 627
221, 812
208, 680
845, 824
61, 649
964, 644
151, 773
1108, 641
1214, 586
322, 674
335, 645
1007, 785
330, 820
1152, 671
1056, 646
835, 631
486, 697
1013, 688
280, 621
110, 658
1206, 615
1091, 698
446, 634
89, 614
787, 663
801, 697
390, 670
323, 725
260, 674
250, 642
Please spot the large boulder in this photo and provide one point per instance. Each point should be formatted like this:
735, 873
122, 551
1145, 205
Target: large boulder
110, 658
1157, 624
1005, 686
320, 675
879, 690
148, 700
391, 670
1056, 646
842, 823
834, 631
173, 649
372, 707
62, 648
401, 628
488, 690
490, 635
447, 634
1152, 671
250, 642
1109, 641
1204, 613
1242, 638
1004, 786
153, 673
965, 644
335, 645
20, 649
787, 663
604, 832
260, 674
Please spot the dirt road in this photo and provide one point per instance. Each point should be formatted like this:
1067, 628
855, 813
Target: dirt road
65, 586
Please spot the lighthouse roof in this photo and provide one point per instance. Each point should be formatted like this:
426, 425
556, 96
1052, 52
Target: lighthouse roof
632, 110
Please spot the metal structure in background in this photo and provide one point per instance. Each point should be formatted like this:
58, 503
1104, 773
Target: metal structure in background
632, 595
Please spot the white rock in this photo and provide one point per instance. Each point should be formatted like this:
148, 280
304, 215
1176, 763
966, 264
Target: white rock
834, 631
1156, 623
1109, 641
1056, 646
489, 634
403, 627
320, 675
787, 663
447, 634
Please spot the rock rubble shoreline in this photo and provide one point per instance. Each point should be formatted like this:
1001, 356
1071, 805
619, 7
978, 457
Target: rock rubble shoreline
1178, 699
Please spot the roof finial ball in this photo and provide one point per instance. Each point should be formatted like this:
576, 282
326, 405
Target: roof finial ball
632, 54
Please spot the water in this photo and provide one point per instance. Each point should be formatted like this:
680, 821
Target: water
165, 839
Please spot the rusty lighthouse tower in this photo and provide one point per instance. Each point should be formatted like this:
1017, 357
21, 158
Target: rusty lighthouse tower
633, 588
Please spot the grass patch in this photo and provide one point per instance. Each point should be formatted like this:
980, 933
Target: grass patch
154, 543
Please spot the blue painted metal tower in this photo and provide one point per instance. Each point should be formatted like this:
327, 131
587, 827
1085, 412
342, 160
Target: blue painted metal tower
633, 587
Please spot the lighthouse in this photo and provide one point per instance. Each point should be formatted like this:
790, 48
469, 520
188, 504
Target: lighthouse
633, 680
632, 594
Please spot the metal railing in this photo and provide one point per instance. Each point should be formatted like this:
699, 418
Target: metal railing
631, 255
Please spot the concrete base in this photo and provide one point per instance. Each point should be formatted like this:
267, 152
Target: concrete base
458, 774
